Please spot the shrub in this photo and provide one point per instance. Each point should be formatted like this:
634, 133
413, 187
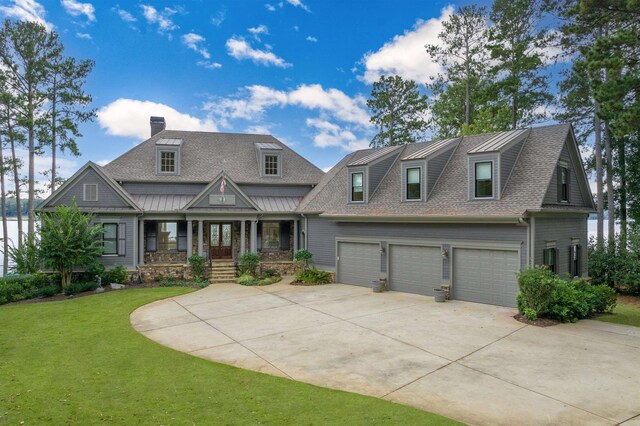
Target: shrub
304, 257
568, 303
79, 287
197, 267
251, 280
93, 270
313, 276
603, 298
117, 274
21, 287
26, 259
268, 273
246, 279
249, 263
530, 314
536, 285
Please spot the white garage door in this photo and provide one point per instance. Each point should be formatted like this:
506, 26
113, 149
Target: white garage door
415, 269
358, 263
485, 276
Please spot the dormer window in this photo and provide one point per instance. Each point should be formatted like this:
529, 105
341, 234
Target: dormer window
484, 179
167, 162
414, 179
168, 156
271, 164
357, 187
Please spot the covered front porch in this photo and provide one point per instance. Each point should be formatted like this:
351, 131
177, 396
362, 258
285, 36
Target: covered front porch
172, 240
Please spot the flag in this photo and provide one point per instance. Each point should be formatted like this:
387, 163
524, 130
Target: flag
223, 184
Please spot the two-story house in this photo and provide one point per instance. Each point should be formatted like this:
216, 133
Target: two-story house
469, 212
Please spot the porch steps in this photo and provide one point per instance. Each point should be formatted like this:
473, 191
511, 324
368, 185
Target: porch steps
222, 272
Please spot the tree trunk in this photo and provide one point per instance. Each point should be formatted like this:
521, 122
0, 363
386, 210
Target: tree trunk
3, 206
16, 180
32, 158
622, 166
611, 234
54, 121
467, 100
599, 190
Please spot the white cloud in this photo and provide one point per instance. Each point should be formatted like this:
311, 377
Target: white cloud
160, 18
270, 7
260, 29
219, 17
239, 48
405, 54
252, 102
75, 8
311, 39
84, 36
331, 135
298, 3
193, 41
26, 10
124, 15
102, 163
258, 129
130, 118
42, 165
210, 65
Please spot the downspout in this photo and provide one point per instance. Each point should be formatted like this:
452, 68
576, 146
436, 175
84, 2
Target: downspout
532, 241
305, 231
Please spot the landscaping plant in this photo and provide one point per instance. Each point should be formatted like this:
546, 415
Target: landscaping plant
303, 257
313, 276
197, 264
21, 287
249, 263
68, 240
117, 274
26, 259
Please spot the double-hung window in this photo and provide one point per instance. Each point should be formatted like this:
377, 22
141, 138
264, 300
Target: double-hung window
167, 161
575, 253
357, 187
550, 259
110, 238
564, 184
414, 190
484, 179
271, 165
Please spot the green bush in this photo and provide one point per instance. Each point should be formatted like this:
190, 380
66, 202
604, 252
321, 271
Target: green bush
304, 257
93, 270
536, 285
246, 279
21, 287
268, 273
79, 287
26, 259
197, 267
117, 274
313, 276
530, 314
249, 263
603, 298
617, 266
569, 303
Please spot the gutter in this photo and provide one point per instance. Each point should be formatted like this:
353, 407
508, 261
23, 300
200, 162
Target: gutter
513, 219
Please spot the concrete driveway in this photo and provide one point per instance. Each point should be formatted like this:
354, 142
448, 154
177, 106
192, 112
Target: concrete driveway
467, 361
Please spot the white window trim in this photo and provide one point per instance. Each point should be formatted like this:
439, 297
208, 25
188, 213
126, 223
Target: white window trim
84, 192
493, 180
364, 188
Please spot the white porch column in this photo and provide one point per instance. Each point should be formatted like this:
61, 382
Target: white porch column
200, 252
189, 238
295, 235
243, 237
141, 243
254, 236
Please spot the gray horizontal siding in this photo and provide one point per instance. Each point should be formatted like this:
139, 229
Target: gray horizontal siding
107, 197
435, 166
322, 235
507, 161
575, 195
163, 188
561, 229
378, 171
126, 260
275, 190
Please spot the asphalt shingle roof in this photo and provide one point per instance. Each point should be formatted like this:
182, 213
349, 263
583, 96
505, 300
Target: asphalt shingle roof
524, 191
204, 155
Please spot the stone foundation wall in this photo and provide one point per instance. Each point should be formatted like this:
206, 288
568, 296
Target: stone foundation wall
159, 272
159, 257
276, 255
283, 268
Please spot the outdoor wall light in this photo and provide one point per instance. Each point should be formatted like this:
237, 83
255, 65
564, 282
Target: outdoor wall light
445, 253
382, 250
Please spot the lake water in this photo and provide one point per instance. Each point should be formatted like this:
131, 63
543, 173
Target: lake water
13, 232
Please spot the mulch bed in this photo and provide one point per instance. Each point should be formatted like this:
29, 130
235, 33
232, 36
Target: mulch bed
540, 322
625, 299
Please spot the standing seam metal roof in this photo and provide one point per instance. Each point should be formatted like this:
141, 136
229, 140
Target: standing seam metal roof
430, 149
499, 141
377, 153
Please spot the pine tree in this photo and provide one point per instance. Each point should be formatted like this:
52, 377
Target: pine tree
398, 110
517, 44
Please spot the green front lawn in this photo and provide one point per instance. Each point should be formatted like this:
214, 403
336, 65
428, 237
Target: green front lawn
80, 362
626, 312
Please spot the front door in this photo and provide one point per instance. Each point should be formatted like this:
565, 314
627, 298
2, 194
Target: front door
220, 241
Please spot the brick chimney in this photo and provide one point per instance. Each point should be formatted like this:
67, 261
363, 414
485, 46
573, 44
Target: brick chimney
157, 125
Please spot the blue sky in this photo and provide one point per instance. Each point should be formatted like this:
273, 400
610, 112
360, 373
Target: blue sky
298, 69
